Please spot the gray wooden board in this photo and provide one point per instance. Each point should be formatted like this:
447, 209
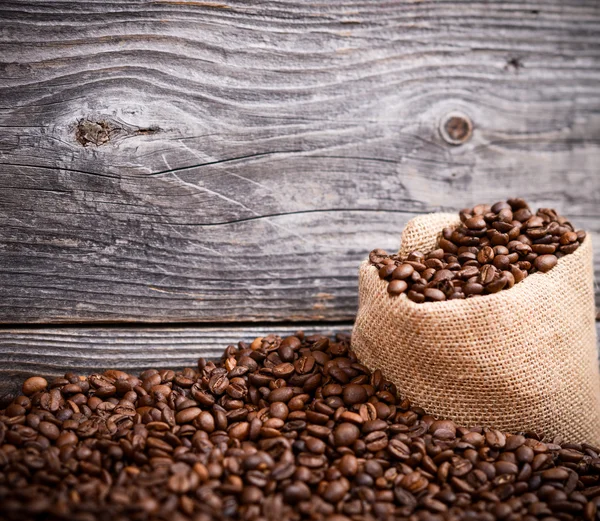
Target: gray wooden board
56, 351
198, 161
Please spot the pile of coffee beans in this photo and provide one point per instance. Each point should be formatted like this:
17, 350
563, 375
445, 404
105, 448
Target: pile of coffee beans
280, 429
492, 249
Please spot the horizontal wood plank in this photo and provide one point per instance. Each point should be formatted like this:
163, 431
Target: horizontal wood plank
55, 351
190, 161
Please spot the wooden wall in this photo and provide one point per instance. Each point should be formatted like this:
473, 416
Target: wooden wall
226, 165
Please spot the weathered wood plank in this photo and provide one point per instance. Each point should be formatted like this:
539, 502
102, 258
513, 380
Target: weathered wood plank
187, 161
55, 351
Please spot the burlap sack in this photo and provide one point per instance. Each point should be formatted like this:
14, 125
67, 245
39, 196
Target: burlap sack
523, 359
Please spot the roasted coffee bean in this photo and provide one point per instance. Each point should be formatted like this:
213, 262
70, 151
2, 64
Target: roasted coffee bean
354, 393
283, 394
477, 222
296, 492
545, 263
443, 429
468, 272
34, 385
493, 250
472, 288
179, 444
188, 415
556, 473
50, 430
284, 370
416, 296
378, 255
345, 434
386, 271
496, 285
403, 271
434, 294
485, 255
305, 364
396, 287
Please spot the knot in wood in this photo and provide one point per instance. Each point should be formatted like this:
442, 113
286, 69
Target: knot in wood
95, 133
456, 128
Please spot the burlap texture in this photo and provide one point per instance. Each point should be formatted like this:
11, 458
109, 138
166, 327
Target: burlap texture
523, 359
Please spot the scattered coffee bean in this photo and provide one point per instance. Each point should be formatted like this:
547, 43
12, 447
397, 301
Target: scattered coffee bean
248, 439
354, 393
34, 385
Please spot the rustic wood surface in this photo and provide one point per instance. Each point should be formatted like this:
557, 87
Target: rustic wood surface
223, 161
55, 351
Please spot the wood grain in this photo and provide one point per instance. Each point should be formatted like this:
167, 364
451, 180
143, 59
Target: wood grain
54, 351
196, 161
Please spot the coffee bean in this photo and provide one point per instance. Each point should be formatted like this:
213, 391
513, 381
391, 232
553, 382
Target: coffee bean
304, 364
296, 492
496, 285
494, 250
487, 274
354, 393
376, 441
545, 263
443, 274
66, 438
525, 454
468, 272
34, 385
266, 445
415, 296
398, 449
332, 389
472, 288
403, 272
284, 370
569, 248
522, 214
434, 294
514, 442
485, 255
448, 246
239, 431
378, 255
477, 222
283, 394
443, 429
396, 287
495, 438
501, 262
50, 430
345, 434
348, 465
386, 271
335, 491
568, 238
555, 474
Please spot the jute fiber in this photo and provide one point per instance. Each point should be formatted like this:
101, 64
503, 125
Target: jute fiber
522, 359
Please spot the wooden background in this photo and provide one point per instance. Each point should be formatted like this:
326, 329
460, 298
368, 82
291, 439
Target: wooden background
178, 175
